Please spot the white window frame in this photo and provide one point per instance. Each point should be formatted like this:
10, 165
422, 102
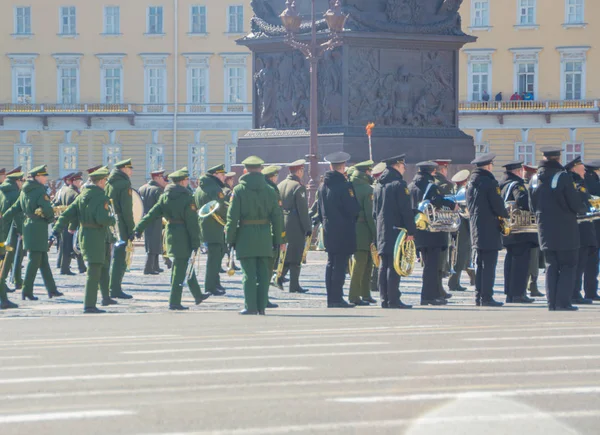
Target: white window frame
111, 154
479, 56
61, 156
67, 61
524, 56
26, 31
110, 61
203, 25
149, 149
482, 148
569, 156
72, 26
201, 150
520, 7
527, 157
197, 61
116, 30
485, 20
567, 10
26, 166
20, 62
162, 20
572, 54
155, 61
228, 26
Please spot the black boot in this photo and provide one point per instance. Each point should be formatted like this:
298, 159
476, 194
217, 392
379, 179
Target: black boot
6, 305
93, 310
55, 294
108, 301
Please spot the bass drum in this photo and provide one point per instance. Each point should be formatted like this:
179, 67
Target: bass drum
138, 206
76, 247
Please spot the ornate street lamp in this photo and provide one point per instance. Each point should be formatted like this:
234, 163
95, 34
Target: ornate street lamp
313, 51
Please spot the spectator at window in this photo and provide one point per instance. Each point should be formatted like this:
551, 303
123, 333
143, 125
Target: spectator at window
516, 97
498, 96
528, 96
485, 96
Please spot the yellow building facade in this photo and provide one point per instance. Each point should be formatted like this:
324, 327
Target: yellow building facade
541, 55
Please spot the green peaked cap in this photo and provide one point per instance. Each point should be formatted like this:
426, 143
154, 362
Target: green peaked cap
365, 166
269, 171
39, 170
99, 174
179, 175
219, 169
124, 164
253, 162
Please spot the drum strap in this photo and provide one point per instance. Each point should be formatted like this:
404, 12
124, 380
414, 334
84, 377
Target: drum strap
556, 178
427, 191
509, 190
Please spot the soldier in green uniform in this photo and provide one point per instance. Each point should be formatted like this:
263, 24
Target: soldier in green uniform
254, 228
5, 303
10, 190
177, 206
91, 213
35, 204
118, 190
360, 289
297, 222
150, 193
210, 188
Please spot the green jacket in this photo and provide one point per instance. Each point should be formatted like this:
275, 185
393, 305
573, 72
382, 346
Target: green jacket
445, 186
35, 228
177, 206
254, 222
365, 226
209, 189
118, 190
295, 216
10, 193
91, 213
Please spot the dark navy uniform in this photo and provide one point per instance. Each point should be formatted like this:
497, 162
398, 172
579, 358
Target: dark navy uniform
485, 206
391, 210
338, 211
556, 204
590, 279
518, 246
432, 246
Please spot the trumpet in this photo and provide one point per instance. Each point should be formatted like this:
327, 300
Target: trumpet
115, 228
231, 268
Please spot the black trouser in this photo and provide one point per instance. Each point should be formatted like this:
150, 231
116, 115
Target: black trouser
590, 277
151, 263
486, 274
585, 253
432, 273
66, 250
335, 276
560, 277
516, 268
388, 281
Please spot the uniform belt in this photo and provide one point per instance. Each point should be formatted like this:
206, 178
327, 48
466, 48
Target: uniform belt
176, 221
91, 226
256, 222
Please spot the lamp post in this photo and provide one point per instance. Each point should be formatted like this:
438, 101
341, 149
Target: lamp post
313, 51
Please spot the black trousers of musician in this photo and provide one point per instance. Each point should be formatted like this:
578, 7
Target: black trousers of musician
67, 254
585, 253
335, 276
560, 277
590, 276
485, 276
432, 273
388, 281
516, 268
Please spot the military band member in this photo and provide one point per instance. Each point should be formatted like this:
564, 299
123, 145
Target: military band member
536, 261
58, 200
255, 228
337, 211
210, 188
486, 207
153, 241
297, 222
392, 210
178, 207
588, 244
89, 172
376, 173
10, 190
432, 245
463, 239
5, 303
590, 281
118, 190
229, 184
271, 174
366, 235
518, 246
557, 203
66, 239
35, 204
90, 212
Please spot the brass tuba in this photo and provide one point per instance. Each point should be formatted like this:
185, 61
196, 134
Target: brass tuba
59, 209
405, 254
210, 209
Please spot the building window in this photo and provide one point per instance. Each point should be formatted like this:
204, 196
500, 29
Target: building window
112, 20
526, 12
197, 159
155, 157
198, 19
480, 13
525, 152
236, 19
571, 151
24, 85
526, 78
68, 20
198, 85
479, 80
24, 157
482, 148
155, 86
230, 155
236, 81
573, 80
155, 20
68, 88
23, 20
574, 13
111, 154
68, 158
112, 86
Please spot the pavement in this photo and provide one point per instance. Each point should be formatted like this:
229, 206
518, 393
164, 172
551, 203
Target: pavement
141, 369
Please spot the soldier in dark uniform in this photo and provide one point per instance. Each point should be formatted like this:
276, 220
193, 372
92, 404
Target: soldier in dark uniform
463, 238
590, 281
228, 190
518, 246
432, 245
392, 210
13, 229
58, 200
557, 203
337, 210
66, 238
445, 187
153, 241
297, 222
376, 174
271, 174
588, 245
536, 260
485, 206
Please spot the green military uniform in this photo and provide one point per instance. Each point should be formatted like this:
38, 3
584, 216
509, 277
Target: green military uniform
10, 191
297, 224
118, 190
4, 302
177, 206
254, 226
270, 172
210, 188
365, 235
91, 213
35, 204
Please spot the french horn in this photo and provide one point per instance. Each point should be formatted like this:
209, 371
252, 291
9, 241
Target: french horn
405, 254
210, 209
